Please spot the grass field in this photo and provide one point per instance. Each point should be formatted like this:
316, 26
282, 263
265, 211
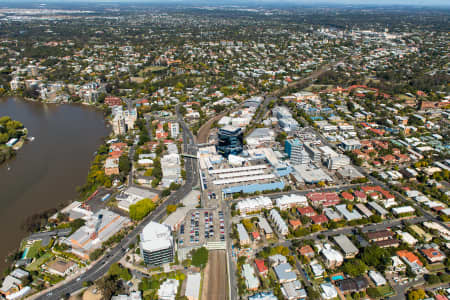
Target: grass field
435, 267
35, 265
34, 249
403, 97
384, 291
152, 69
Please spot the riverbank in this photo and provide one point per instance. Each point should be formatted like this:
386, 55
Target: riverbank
12, 137
43, 101
17, 146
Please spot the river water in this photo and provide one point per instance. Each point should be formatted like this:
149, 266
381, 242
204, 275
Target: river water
45, 173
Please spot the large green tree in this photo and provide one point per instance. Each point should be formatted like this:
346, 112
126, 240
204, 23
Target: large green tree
200, 257
141, 209
124, 164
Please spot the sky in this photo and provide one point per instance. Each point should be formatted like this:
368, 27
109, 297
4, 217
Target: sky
253, 2
344, 2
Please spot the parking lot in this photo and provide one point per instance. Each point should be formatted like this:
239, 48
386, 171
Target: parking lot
201, 226
99, 200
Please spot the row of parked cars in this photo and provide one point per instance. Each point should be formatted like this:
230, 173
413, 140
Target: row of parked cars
209, 225
195, 232
222, 226
209, 232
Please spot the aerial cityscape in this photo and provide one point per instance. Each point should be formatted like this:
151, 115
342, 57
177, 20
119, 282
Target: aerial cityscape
224, 150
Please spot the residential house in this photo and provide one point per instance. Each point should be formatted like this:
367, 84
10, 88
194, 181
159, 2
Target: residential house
319, 219
351, 285
307, 251
251, 281
377, 278
332, 257
412, 261
261, 267
61, 267
293, 290
307, 211
433, 255
285, 273
328, 291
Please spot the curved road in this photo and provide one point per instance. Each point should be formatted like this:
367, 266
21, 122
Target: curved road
102, 266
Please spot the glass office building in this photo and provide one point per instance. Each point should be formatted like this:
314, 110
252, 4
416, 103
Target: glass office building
230, 141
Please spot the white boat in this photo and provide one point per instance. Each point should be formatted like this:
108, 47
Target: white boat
31, 138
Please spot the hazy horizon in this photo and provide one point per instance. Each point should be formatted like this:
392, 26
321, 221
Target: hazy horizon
252, 3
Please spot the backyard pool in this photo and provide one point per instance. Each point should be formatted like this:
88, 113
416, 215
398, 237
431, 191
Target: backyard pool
25, 252
337, 277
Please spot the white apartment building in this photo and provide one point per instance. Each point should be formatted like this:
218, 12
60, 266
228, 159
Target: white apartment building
174, 129
248, 206
171, 169
279, 222
289, 201
333, 258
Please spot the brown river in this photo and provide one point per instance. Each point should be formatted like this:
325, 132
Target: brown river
45, 172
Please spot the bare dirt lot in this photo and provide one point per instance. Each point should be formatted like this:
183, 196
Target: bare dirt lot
215, 280
89, 294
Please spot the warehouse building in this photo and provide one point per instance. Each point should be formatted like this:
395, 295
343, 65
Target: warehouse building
253, 188
98, 228
310, 174
132, 195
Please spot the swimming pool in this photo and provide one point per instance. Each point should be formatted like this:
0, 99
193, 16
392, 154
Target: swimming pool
337, 277
25, 252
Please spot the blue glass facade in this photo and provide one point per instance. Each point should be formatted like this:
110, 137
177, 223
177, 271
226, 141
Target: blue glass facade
292, 146
230, 141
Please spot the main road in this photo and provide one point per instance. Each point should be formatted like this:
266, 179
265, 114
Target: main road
113, 255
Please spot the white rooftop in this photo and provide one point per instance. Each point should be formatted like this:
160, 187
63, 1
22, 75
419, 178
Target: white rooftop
328, 291
377, 278
168, 290
156, 237
193, 285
